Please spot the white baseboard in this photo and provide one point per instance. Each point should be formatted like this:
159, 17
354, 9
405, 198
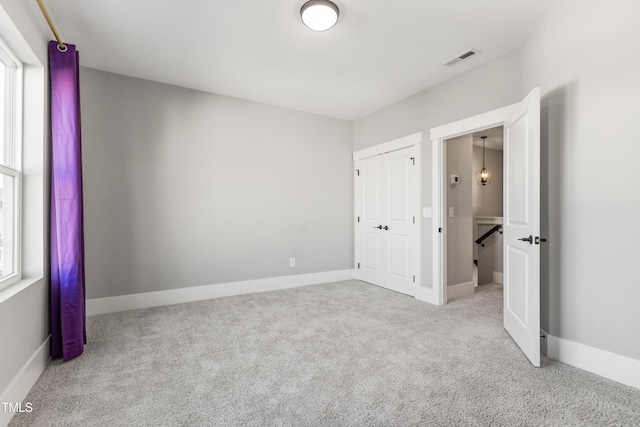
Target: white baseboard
18, 389
198, 293
475, 275
460, 290
614, 366
498, 277
426, 295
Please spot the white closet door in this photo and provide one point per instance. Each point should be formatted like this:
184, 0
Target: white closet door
372, 243
386, 235
400, 220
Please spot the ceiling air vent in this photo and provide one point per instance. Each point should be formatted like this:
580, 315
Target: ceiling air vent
462, 57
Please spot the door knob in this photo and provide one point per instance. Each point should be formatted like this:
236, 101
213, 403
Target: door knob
378, 227
527, 239
386, 227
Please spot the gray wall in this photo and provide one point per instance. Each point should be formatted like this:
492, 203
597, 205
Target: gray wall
459, 228
583, 55
489, 86
487, 199
24, 313
185, 188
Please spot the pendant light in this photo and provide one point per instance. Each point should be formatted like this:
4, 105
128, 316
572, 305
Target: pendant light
483, 176
319, 15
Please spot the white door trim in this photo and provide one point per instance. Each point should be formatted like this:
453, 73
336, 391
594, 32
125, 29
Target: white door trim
413, 140
387, 147
438, 135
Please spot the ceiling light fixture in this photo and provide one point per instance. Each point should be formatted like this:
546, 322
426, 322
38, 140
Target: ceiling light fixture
483, 176
319, 15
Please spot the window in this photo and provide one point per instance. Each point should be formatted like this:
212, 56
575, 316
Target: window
10, 165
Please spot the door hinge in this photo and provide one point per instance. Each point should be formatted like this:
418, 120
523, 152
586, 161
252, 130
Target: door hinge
414, 219
358, 266
358, 219
414, 278
358, 172
413, 159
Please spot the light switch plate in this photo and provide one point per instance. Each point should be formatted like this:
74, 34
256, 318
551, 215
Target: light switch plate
451, 212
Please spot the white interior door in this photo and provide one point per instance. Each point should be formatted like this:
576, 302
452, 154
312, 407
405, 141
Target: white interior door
400, 220
370, 242
522, 226
386, 234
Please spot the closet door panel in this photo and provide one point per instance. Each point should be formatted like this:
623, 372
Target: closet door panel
372, 240
400, 211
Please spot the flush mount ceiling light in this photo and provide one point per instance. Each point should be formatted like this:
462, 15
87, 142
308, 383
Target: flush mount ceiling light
319, 15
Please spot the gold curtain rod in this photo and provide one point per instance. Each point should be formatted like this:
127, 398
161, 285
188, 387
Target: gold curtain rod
61, 45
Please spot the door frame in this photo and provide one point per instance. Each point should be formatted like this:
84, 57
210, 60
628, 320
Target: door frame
414, 140
438, 135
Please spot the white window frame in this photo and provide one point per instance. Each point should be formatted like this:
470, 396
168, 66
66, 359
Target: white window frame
13, 151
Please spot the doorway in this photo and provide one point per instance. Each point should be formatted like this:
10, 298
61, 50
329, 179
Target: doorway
474, 201
521, 211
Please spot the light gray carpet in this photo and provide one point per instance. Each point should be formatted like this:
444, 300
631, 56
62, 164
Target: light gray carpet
337, 354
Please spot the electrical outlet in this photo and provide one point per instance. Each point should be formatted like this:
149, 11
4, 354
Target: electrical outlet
292, 262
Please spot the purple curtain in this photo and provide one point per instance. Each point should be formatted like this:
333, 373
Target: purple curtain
68, 333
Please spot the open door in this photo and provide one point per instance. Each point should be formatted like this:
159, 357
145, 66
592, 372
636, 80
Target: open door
522, 225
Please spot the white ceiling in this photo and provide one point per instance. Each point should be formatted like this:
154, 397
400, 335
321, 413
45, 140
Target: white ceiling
379, 52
